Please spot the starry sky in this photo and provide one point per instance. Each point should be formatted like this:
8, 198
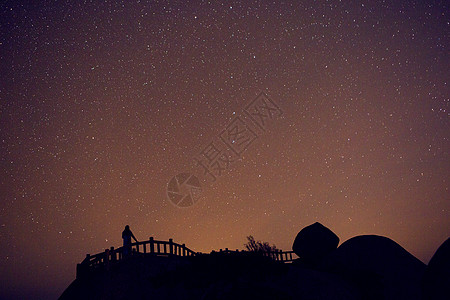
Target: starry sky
103, 102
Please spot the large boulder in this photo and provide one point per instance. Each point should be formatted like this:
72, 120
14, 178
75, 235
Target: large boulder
314, 242
378, 266
436, 281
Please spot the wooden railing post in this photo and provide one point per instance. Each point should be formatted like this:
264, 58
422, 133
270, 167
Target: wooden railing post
87, 259
152, 245
106, 259
83, 268
171, 246
112, 253
184, 250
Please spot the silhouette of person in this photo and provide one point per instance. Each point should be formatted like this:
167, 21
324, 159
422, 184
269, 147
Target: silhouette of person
126, 236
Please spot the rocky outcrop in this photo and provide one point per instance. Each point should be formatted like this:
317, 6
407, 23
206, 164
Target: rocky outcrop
364, 267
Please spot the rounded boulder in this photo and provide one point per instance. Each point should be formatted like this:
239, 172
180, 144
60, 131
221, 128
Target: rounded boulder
314, 242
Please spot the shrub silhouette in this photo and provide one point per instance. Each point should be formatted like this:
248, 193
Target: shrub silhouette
258, 246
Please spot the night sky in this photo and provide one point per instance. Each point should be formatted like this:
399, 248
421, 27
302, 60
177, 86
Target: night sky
103, 102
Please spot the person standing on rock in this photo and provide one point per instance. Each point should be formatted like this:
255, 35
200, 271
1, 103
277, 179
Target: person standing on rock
126, 236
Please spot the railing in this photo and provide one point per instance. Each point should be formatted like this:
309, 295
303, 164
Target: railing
277, 255
159, 248
150, 247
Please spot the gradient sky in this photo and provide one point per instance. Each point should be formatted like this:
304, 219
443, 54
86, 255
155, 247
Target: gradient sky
103, 102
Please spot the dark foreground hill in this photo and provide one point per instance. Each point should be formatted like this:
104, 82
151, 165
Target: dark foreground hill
364, 267
213, 276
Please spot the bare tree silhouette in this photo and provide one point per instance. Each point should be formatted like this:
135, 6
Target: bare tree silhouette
259, 247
